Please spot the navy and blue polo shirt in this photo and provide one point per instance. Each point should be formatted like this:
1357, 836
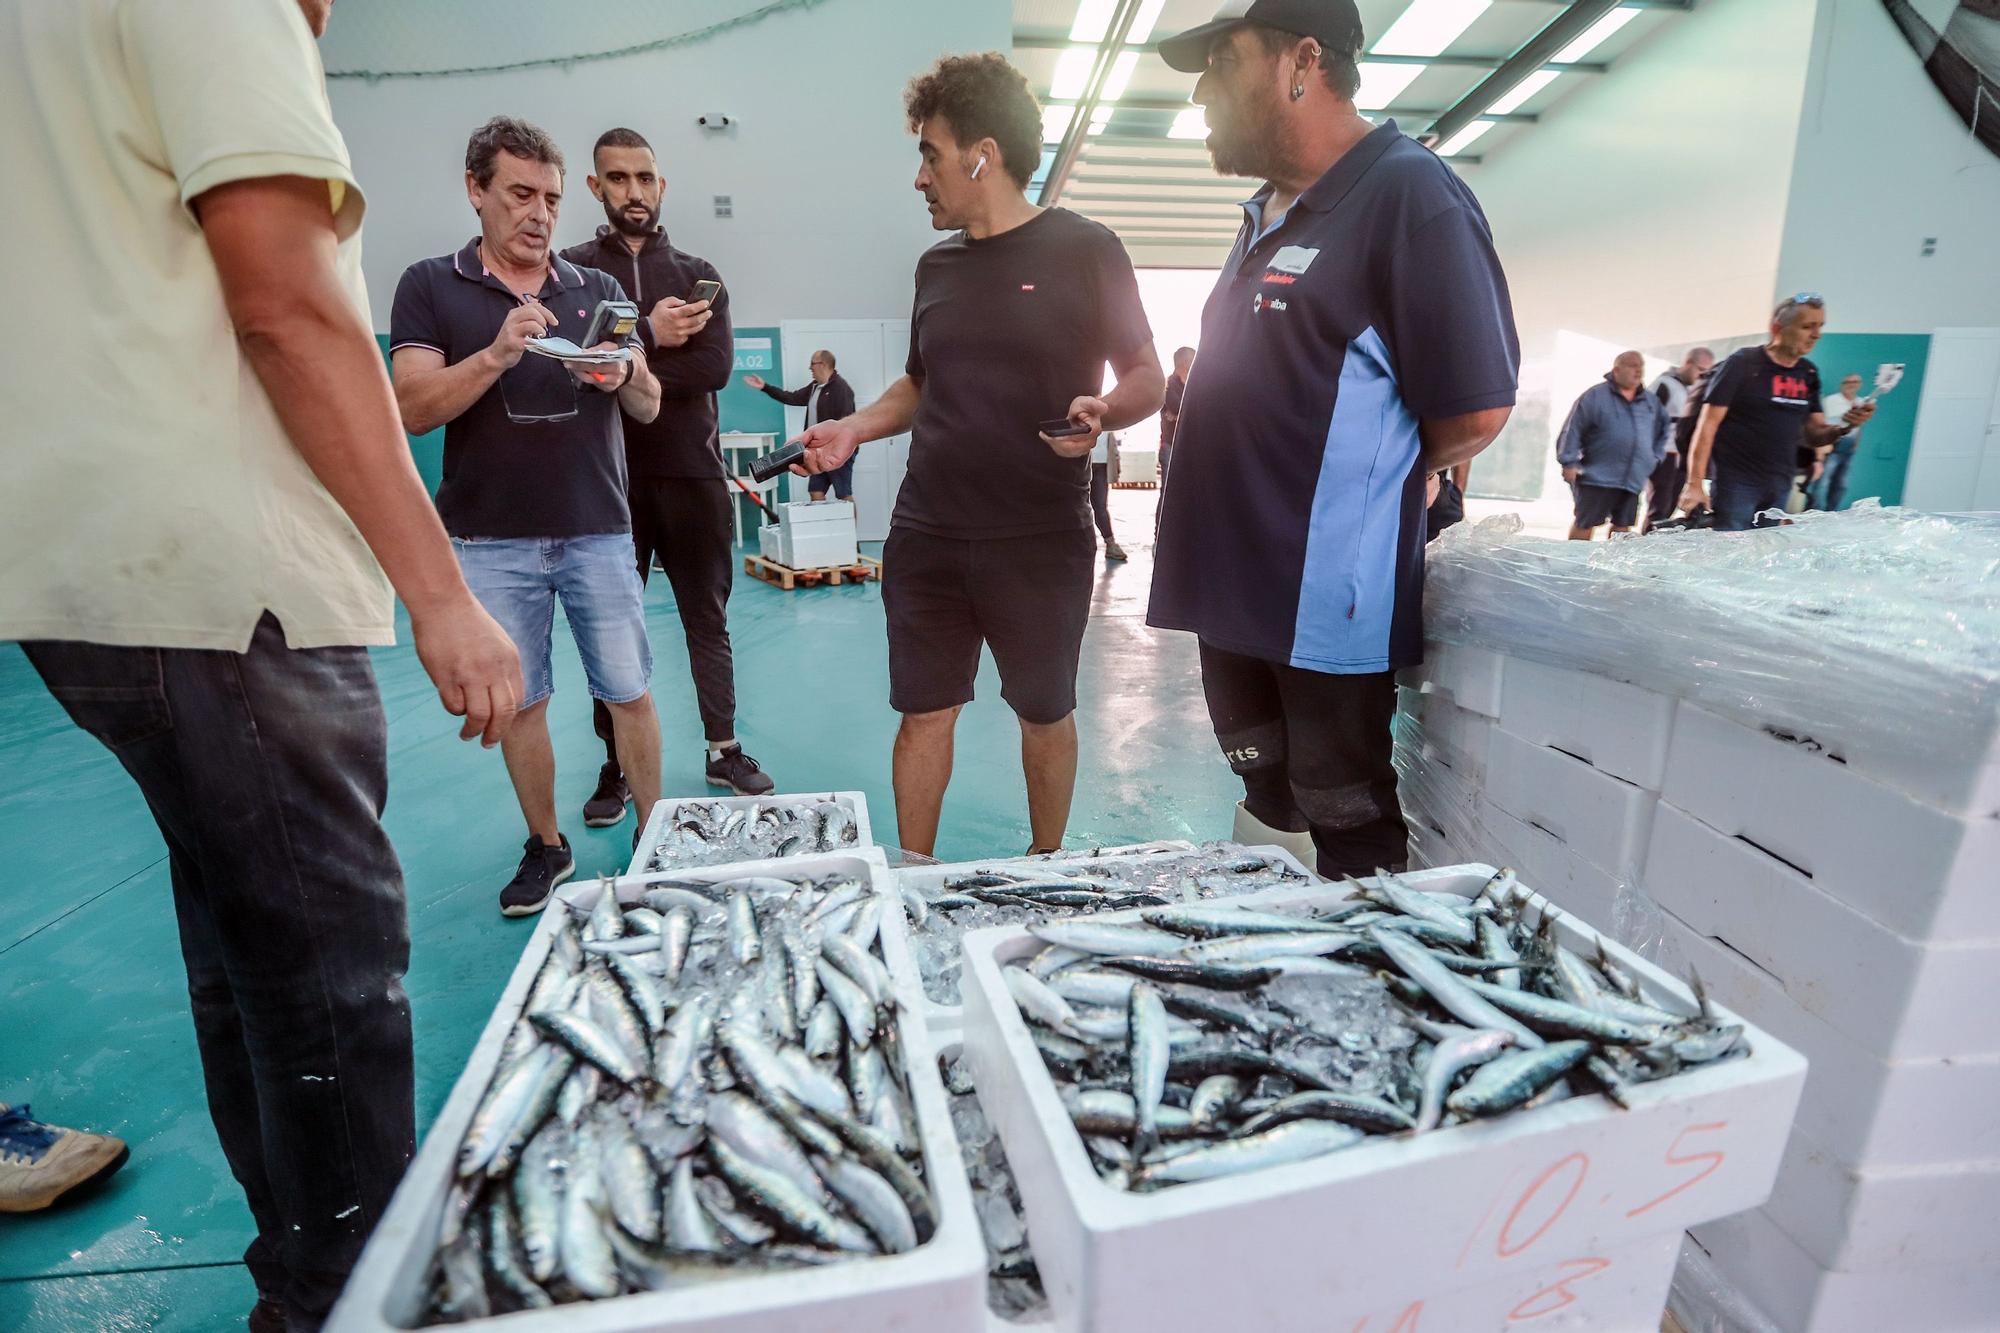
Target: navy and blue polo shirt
536, 455
1292, 529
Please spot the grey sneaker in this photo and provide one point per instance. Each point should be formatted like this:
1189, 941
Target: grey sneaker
606, 805
740, 773
40, 1163
542, 868
1113, 551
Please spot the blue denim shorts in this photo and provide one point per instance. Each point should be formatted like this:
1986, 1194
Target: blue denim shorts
518, 579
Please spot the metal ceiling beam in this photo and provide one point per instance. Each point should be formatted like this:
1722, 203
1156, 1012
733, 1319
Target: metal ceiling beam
1424, 113
1108, 52
1031, 41
1560, 31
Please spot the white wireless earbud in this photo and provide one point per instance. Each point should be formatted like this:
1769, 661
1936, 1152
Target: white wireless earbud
979, 166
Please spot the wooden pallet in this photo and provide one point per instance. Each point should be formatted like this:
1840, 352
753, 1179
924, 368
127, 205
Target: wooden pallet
784, 576
1135, 485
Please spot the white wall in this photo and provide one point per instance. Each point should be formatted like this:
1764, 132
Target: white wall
819, 164
1647, 207
1883, 162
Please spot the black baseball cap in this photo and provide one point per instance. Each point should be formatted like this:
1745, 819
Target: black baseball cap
1336, 23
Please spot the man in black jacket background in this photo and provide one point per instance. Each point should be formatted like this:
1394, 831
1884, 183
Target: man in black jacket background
827, 398
678, 489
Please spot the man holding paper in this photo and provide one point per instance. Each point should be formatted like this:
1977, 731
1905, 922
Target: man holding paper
534, 467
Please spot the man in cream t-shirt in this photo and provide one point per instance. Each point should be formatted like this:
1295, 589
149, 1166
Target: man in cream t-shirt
189, 543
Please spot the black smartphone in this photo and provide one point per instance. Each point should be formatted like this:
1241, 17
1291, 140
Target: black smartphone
1060, 427
705, 290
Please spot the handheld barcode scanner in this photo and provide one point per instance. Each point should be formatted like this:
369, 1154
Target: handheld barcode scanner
612, 321
767, 466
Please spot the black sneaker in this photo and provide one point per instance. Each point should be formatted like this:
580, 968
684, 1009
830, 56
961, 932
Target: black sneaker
740, 773
542, 868
606, 805
266, 1316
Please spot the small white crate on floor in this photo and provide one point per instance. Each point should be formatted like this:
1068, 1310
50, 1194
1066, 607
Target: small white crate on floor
1901, 999
662, 817
1921, 871
938, 1286
1469, 677
948, 1018
1536, 1205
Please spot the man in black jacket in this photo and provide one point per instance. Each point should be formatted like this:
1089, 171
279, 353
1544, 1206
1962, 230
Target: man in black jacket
827, 398
679, 490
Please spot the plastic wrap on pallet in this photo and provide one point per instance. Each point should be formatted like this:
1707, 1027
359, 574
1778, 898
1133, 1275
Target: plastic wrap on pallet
1879, 625
1703, 1300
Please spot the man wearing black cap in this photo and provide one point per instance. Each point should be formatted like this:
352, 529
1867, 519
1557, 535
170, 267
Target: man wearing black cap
1359, 338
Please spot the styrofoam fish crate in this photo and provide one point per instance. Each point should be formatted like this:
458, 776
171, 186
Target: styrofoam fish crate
949, 1018
1913, 1113
1870, 1220
939, 1285
1918, 870
854, 802
1452, 735
1610, 725
1470, 677
1604, 817
1558, 1188
1901, 999
1765, 1265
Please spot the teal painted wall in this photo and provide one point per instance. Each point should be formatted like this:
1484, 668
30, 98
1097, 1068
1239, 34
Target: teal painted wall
1883, 460
428, 450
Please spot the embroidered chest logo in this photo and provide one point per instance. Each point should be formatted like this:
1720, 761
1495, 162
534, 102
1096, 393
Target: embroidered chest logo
1027, 286
1788, 387
1258, 303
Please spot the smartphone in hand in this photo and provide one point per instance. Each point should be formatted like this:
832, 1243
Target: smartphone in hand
705, 290
1061, 428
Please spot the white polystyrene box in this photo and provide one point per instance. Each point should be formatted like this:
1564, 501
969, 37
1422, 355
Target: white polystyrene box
1449, 734
1762, 1263
1871, 1220
1899, 999
854, 802
1921, 872
810, 548
947, 1018
1558, 872
1607, 723
939, 1287
1469, 677
1911, 1113
1604, 818
771, 542
1358, 1235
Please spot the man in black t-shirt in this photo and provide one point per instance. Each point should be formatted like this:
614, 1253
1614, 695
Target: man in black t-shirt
1760, 407
1015, 318
534, 467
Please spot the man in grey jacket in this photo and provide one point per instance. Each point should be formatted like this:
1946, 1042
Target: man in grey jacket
1615, 437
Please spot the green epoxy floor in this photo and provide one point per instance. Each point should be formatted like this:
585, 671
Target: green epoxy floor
94, 1027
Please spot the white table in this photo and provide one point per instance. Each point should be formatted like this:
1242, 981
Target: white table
738, 448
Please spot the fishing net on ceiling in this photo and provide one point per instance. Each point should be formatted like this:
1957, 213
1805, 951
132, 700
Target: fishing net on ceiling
414, 39
1959, 43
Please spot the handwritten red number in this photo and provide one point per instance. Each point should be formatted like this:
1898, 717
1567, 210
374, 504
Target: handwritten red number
1406, 1322
1502, 1246
1557, 1295
1713, 1162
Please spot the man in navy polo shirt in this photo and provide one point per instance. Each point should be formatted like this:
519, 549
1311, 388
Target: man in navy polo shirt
1359, 338
534, 467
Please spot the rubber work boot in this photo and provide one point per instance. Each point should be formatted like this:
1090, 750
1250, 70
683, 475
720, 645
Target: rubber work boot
606, 805
41, 1163
1254, 832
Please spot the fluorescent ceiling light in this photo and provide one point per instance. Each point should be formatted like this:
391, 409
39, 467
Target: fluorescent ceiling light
1427, 27
1093, 21
1465, 138
1382, 84
1593, 35
1055, 122
1523, 90
1189, 124
1099, 119
1073, 72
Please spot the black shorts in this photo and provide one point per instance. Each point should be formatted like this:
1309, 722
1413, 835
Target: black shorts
1596, 505
1027, 598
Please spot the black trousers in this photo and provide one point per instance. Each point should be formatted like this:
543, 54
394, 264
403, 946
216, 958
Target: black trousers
1100, 498
686, 522
1314, 751
266, 772
1669, 480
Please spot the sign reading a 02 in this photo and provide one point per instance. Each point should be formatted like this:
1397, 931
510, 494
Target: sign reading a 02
756, 355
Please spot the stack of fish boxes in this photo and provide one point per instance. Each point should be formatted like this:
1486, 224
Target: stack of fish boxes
1837, 895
